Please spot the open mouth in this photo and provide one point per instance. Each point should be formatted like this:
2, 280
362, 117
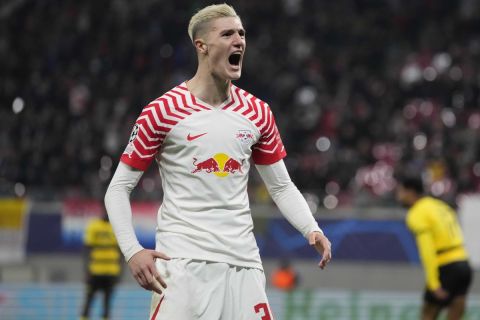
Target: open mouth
235, 58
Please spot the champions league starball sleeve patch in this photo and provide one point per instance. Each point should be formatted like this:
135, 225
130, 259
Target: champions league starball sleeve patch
130, 148
134, 133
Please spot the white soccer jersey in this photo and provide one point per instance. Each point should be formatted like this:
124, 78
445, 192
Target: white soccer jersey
203, 154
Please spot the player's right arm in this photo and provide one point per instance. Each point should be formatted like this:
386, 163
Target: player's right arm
146, 139
117, 201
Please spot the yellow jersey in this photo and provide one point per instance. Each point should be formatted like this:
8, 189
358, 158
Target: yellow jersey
438, 235
104, 259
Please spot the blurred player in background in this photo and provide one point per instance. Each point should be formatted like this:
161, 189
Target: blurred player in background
202, 134
285, 277
441, 248
103, 266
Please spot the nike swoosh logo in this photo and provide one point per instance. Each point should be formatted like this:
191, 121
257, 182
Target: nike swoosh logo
191, 138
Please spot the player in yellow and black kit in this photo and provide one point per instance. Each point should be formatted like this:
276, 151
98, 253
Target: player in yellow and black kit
441, 248
102, 263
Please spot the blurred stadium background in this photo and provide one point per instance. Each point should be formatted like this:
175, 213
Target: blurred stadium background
362, 90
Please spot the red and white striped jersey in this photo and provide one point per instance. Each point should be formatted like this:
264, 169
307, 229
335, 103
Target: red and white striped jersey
203, 154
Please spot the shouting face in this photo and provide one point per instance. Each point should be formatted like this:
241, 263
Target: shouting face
223, 46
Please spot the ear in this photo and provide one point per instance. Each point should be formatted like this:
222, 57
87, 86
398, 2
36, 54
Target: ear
201, 46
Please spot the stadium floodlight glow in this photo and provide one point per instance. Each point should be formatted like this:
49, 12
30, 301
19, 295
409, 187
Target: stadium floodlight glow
323, 144
330, 202
442, 61
411, 73
420, 141
104, 175
458, 100
19, 189
106, 163
438, 188
312, 201
476, 169
306, 95
426, 108
18, 105
429, 74
410, 111
448, 118
455, 73
474, 121
332, 188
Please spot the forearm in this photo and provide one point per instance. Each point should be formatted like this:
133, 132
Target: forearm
295, 209
117, 202
288, 198
426, 250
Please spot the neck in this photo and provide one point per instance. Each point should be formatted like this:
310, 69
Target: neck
209, 88
414, 199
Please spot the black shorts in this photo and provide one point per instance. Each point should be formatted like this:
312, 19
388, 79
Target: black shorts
455, 278
102, 282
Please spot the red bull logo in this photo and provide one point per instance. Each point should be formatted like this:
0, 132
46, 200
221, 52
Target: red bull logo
220, 164
245, 136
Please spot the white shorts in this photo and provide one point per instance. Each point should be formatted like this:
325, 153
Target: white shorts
209, 291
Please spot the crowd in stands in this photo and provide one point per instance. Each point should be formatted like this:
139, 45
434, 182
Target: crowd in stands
363, 91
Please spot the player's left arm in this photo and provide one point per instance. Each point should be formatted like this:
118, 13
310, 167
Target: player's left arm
294, 207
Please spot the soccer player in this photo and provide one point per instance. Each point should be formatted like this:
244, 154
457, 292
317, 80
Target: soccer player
202, 134
285, 277
102, 263
440, 244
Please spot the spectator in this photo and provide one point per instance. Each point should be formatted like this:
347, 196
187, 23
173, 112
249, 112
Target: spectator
395, 74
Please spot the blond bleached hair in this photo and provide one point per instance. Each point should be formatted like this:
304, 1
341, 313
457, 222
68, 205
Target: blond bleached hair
207, 14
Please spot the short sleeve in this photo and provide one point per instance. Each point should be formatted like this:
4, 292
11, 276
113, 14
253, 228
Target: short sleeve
146, 138
269, 148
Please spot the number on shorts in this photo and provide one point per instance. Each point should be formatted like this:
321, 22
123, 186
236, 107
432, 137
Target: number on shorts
263, 307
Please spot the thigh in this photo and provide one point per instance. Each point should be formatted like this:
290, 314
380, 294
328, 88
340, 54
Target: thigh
95, 283
456, 308
195, 290
430, 311
173, 302
246, 297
